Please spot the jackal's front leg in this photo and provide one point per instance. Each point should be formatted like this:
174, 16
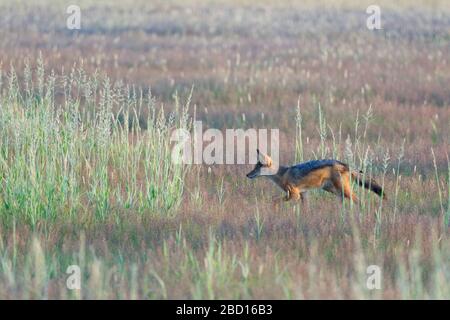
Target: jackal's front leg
293, 196
304, 199
280, 198
290, 195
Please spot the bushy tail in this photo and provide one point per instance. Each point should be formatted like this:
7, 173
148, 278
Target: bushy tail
369, 184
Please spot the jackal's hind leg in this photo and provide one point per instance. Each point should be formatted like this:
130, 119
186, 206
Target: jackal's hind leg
349, 194
342, 184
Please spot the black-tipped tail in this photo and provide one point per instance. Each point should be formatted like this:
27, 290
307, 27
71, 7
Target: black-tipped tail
369, 184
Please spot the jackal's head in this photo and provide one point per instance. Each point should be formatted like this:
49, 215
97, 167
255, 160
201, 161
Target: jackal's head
263, 162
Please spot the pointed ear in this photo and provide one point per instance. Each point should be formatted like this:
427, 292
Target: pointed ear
268, 161
260, 156
264, 159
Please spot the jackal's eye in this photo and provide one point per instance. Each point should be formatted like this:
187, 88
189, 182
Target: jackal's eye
259, 164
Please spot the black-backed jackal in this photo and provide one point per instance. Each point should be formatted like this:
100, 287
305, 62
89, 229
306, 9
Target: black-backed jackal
330, 175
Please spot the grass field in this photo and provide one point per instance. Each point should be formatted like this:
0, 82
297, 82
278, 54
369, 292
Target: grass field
86, 170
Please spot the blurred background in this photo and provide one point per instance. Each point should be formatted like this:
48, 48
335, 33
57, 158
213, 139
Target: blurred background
258, 57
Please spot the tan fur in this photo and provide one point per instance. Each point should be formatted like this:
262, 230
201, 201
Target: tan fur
333, 176
334, 179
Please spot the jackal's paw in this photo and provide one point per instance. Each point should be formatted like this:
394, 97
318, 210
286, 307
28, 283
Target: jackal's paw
276, 199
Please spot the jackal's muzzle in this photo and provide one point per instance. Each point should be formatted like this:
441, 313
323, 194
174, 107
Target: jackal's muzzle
255, 172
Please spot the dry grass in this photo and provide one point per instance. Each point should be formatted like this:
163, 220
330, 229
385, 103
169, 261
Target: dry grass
384, 104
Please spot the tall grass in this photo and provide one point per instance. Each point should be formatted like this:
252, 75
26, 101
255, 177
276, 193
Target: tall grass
81, 149
74, 144
222, 268
356, 151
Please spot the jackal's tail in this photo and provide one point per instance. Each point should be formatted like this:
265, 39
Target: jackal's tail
369, 184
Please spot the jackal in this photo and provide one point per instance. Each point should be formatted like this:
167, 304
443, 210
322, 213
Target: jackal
328, 174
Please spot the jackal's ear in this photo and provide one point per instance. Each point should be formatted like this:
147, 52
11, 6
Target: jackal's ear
260, 155
264, 158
